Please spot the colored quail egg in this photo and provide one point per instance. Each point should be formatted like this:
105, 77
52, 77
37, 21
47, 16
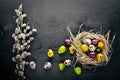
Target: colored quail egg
98, 50
84, 47
95, 42
100, 57
61, 49
71, 50
92, 54
50, 53
67, 42
77, 70
100, 44
61, 66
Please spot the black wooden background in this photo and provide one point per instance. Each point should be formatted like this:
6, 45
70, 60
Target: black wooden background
51, 18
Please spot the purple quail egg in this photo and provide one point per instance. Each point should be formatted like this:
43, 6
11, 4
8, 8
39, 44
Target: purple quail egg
67, 42
95, 42
92, 54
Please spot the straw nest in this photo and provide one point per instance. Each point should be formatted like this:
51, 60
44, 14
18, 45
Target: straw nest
82, 57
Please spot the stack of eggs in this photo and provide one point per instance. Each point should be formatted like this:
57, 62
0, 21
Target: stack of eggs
93, 48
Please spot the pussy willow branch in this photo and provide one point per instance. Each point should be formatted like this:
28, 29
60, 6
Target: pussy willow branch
22, 37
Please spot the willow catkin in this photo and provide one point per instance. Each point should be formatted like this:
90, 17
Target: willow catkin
81, 56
